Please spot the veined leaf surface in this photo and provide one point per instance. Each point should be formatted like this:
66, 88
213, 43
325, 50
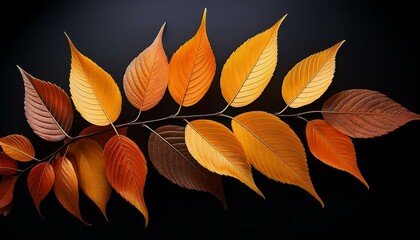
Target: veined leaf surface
94, 92
250, 68
216, 148
192, 68
310, 78
274, 149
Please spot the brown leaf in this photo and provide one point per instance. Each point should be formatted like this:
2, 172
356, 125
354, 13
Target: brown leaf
362, 113
18, 147
8, 166
40, 182
47, 108
107, 133
7, 186
192, 68
146, 78
274, 149
169, 155
332, 147
88, 156
126, 170
66, 187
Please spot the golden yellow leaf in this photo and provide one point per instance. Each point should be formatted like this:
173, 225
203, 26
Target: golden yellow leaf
192, 68
91, 171
18, 147
310, 78
332, 147
274, 149
250, 68
216, 148
94, 92
146, 78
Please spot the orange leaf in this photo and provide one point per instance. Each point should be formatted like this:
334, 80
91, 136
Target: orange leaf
169, 155
146, 78
90, 171
192, 68
362, 113
126, 170
18, 147
94, 92
40, 182
332, 147
47, 108
7, 186
8, 166
216, 148
66, 187
107, 132
274, 149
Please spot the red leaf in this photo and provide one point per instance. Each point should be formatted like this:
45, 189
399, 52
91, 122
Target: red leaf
126, 170
8, 166
40, 182
66, 187
107, 133
47, 108
7, 209
361, 113
170, 156
7, 186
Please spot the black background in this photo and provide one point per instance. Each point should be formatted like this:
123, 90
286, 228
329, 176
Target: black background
380, 53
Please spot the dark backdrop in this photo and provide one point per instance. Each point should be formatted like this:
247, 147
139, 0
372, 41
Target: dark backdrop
380, 53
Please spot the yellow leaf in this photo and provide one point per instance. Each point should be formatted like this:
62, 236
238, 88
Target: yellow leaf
94, 92
332, 147
274, 149
192, 68
310, 78
146, 78
91, 171
250, 68
216, 148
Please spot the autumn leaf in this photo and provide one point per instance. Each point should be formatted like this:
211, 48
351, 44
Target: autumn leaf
250, 68
146, 78
126, 170
7, 187
105, 133
216, 148
310, 78
362, 113
274, 149
332, 147
6, 210
8, 166
40, 182
91, 171
192, 68
47, 108
66, 187
18, 147
169, 155
94, 92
